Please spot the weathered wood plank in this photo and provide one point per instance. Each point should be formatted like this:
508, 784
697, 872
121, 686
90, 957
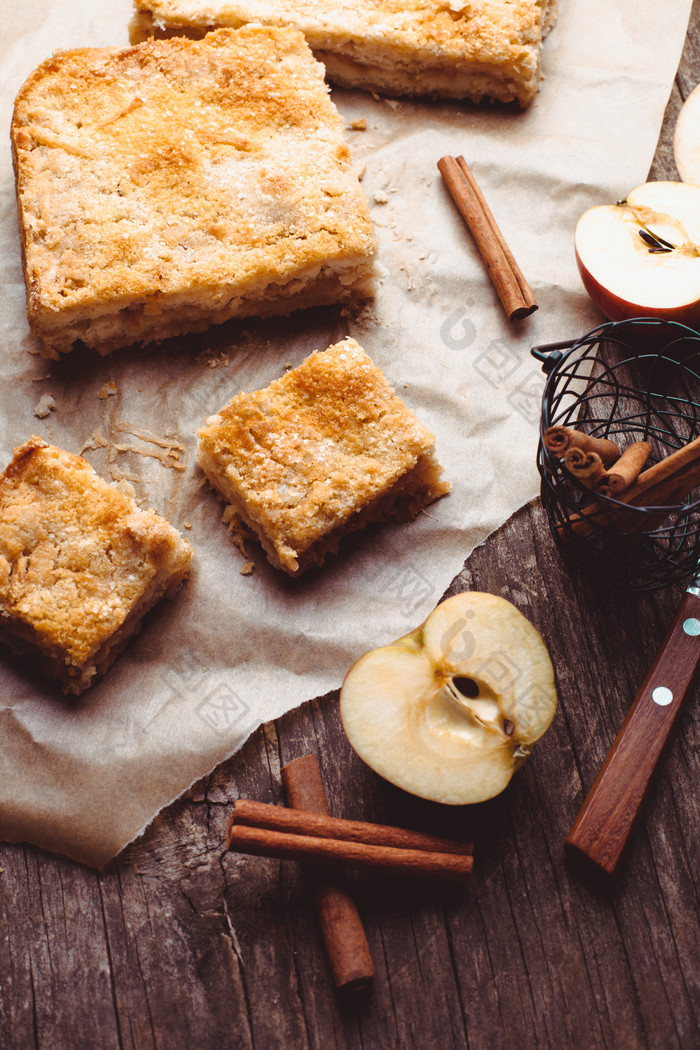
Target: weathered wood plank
53, 945
689, 66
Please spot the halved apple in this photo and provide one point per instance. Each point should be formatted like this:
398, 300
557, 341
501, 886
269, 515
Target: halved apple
641, 256
686, 139
451, 710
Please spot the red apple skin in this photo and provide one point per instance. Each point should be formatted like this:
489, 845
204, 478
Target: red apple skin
617, 309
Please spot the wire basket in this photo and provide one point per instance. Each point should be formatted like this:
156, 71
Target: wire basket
627, 381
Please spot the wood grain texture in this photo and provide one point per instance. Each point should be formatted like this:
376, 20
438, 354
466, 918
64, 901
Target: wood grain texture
178, 944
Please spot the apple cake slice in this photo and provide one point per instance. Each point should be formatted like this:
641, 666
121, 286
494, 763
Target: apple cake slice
178, 184
321, 452
80, 563
449, 48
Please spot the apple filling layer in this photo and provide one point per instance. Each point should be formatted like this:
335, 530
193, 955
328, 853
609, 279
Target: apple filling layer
320, 453
154, 318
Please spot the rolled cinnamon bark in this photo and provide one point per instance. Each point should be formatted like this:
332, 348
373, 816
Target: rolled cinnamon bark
666, 484
529, 301
560, 439
680, 471
626, 469
453, 867
513, 291
321, 825
587, 467
341, 926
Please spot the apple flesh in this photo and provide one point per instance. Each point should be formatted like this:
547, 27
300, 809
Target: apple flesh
686, 139
641, 257
451, 710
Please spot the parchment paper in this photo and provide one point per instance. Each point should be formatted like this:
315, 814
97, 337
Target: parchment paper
231, 651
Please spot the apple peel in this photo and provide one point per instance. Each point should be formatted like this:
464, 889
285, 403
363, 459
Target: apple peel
451, 710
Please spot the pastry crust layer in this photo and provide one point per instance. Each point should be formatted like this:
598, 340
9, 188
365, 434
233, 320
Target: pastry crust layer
80, 563
319, 453
181, 183
448, 48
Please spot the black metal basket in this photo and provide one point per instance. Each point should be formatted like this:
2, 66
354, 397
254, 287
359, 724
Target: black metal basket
628, 381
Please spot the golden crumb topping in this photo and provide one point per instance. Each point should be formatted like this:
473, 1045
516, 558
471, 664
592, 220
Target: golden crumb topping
315, 447
491, 32
76, 554
180, 168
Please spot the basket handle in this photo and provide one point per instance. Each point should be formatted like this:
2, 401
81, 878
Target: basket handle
550, 354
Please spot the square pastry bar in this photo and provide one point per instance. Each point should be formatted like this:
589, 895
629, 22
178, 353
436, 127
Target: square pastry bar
80, 563
321, 452
175, 185
449, 48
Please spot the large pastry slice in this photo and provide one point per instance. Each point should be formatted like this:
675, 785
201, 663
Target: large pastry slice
180, 183
80, 563
321, 452
450, 48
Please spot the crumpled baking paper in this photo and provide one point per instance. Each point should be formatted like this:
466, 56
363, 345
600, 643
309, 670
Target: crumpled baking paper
232, 651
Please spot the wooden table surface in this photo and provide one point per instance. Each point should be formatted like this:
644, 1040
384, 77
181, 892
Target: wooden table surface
177, 945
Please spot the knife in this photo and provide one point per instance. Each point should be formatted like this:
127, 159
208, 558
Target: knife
606, 818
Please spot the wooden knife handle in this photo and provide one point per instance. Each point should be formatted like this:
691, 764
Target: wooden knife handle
606, 817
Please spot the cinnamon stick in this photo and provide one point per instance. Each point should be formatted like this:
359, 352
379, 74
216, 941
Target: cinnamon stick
452, 867
560, 439
626, 469
527, 295
587, 467
321, 825
341, 926
508, 280
666, 483
679, 470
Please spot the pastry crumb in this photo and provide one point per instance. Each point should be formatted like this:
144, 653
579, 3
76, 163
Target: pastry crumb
247, 568
236, 528
109, 389
124, 485
187, 524
168, 460
167, 449
380, 197
358, 124
44, 405
96, 440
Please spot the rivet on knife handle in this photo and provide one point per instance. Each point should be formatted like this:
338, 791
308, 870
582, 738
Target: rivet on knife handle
606, 817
